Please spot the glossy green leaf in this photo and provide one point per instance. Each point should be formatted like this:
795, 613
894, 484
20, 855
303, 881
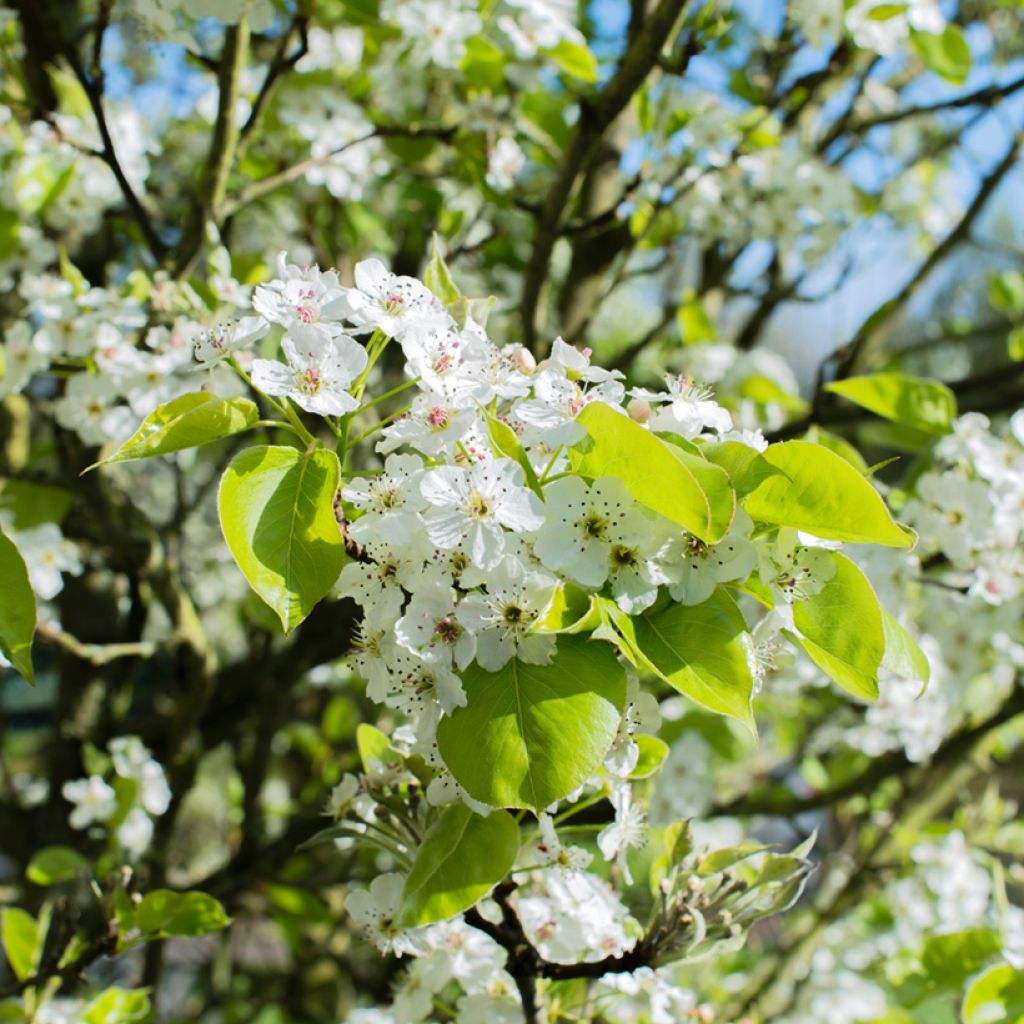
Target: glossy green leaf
572, 610
461, 858
505, 441
903, 657
1006, 292
54, 864
374, 748
530, 734
995, 997
437, 277
17, 609
719, 860
576, 59
820, 492
745, 466
841, 629
912, 401
837, 444
653, 752
684, 488
21, 940
186, 422
483, 63
947, 53
163, 912
276, 511
701, 650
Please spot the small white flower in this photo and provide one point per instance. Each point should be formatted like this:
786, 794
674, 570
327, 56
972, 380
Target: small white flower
319, 372
471, 508
392, 303
629, 829
94, 801
302, 296
503, 617
374, 911
583, 527
432, 628
219, 342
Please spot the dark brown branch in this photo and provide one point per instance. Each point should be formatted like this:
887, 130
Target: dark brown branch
849, 354
94, 93
595, 117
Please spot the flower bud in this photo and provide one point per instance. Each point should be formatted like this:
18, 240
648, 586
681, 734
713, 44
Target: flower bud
524, 361
639, 409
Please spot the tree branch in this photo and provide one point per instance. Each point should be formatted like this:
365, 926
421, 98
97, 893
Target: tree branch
849, 354
893, 764
595, 117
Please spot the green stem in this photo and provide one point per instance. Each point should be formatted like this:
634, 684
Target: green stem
300, 427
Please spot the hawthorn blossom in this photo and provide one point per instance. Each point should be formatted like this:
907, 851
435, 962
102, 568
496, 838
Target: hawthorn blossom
629, 829
318, 374
375, 909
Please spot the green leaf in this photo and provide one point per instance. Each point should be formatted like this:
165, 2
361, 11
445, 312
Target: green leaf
1006, 292
841, 629
995, 997
745, 466
951, 959
572, 610
820, 492
21, 939
576, 59
701, 650
462, 857
682, 487
505, 441
530, 734
30, 504
437, 277
163, 912
374, 748
118, 1006
903, 657
834, 443
186, 422
653, 752
945, 53
54, 864
17, 610
912, 401
1015, 344
276, 511
483, 64
717, 861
